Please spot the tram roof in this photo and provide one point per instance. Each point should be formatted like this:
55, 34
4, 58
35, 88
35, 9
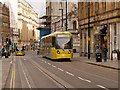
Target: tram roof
54, 34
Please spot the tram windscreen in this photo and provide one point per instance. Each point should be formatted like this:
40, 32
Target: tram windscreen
63, 41
19, 48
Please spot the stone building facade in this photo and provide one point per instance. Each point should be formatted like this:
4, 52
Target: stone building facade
72, 20
28, 21
101, 14
4, 22
13, 13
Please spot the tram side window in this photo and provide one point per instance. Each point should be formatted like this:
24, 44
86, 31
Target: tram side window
53, 41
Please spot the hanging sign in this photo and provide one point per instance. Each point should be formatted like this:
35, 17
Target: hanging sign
89, 39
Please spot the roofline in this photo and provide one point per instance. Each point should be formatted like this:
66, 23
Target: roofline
55, 34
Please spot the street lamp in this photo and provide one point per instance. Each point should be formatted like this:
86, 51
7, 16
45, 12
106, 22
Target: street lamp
62, 18
89, 29
66, 15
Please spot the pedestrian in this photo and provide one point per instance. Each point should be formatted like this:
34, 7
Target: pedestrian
105, 50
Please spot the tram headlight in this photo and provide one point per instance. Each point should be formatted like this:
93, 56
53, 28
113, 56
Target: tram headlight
69, 52
58, 52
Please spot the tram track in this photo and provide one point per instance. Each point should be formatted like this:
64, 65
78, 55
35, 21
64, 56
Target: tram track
72, 74
58, 81
61, 83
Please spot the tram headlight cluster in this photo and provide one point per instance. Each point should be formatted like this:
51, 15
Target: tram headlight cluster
69, 52
58, 52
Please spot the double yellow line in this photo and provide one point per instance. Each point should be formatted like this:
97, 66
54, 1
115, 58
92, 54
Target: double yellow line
12, 82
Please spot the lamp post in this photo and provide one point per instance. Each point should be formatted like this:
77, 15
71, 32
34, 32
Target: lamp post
62, 18
66, 15
89, 29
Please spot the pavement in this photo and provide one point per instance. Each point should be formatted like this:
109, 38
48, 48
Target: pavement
6, 65
113, 64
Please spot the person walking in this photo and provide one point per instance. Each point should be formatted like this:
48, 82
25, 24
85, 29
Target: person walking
105, 50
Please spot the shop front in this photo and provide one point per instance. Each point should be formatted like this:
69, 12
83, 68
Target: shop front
100, 38
114, 38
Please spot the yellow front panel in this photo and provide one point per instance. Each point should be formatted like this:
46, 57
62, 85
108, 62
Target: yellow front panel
63, 53
19, 52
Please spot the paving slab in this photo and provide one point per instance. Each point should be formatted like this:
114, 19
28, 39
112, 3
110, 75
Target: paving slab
0, 74
6, 65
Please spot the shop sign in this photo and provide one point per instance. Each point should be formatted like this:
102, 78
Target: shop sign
105, 38
95, 28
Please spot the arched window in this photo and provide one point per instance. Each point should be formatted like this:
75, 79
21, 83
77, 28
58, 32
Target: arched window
74, 25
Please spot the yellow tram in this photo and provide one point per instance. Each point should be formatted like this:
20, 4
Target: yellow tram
57, 45
19, 50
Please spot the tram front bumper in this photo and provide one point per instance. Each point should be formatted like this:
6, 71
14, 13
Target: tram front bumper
64, 56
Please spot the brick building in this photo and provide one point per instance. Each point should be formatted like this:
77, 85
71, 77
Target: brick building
101, 14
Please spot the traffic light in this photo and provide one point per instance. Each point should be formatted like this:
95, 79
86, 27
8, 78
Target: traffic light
103, 30
7, 40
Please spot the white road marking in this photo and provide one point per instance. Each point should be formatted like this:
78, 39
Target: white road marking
49, 64
11, 62
14, 58
80, 78
60, 69
45, 61
102, 87
53, 66
87, 80
84, 79
70, 73
26, 76
24, 59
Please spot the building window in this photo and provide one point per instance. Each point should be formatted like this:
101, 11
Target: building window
74, 25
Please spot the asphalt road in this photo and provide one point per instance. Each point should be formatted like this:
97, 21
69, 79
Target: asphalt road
33, 71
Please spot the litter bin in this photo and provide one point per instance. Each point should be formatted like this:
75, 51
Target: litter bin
118, 55
114, 55
74, 50
6, 55
98, 57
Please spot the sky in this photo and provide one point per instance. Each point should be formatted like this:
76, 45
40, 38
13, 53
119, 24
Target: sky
39, 6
